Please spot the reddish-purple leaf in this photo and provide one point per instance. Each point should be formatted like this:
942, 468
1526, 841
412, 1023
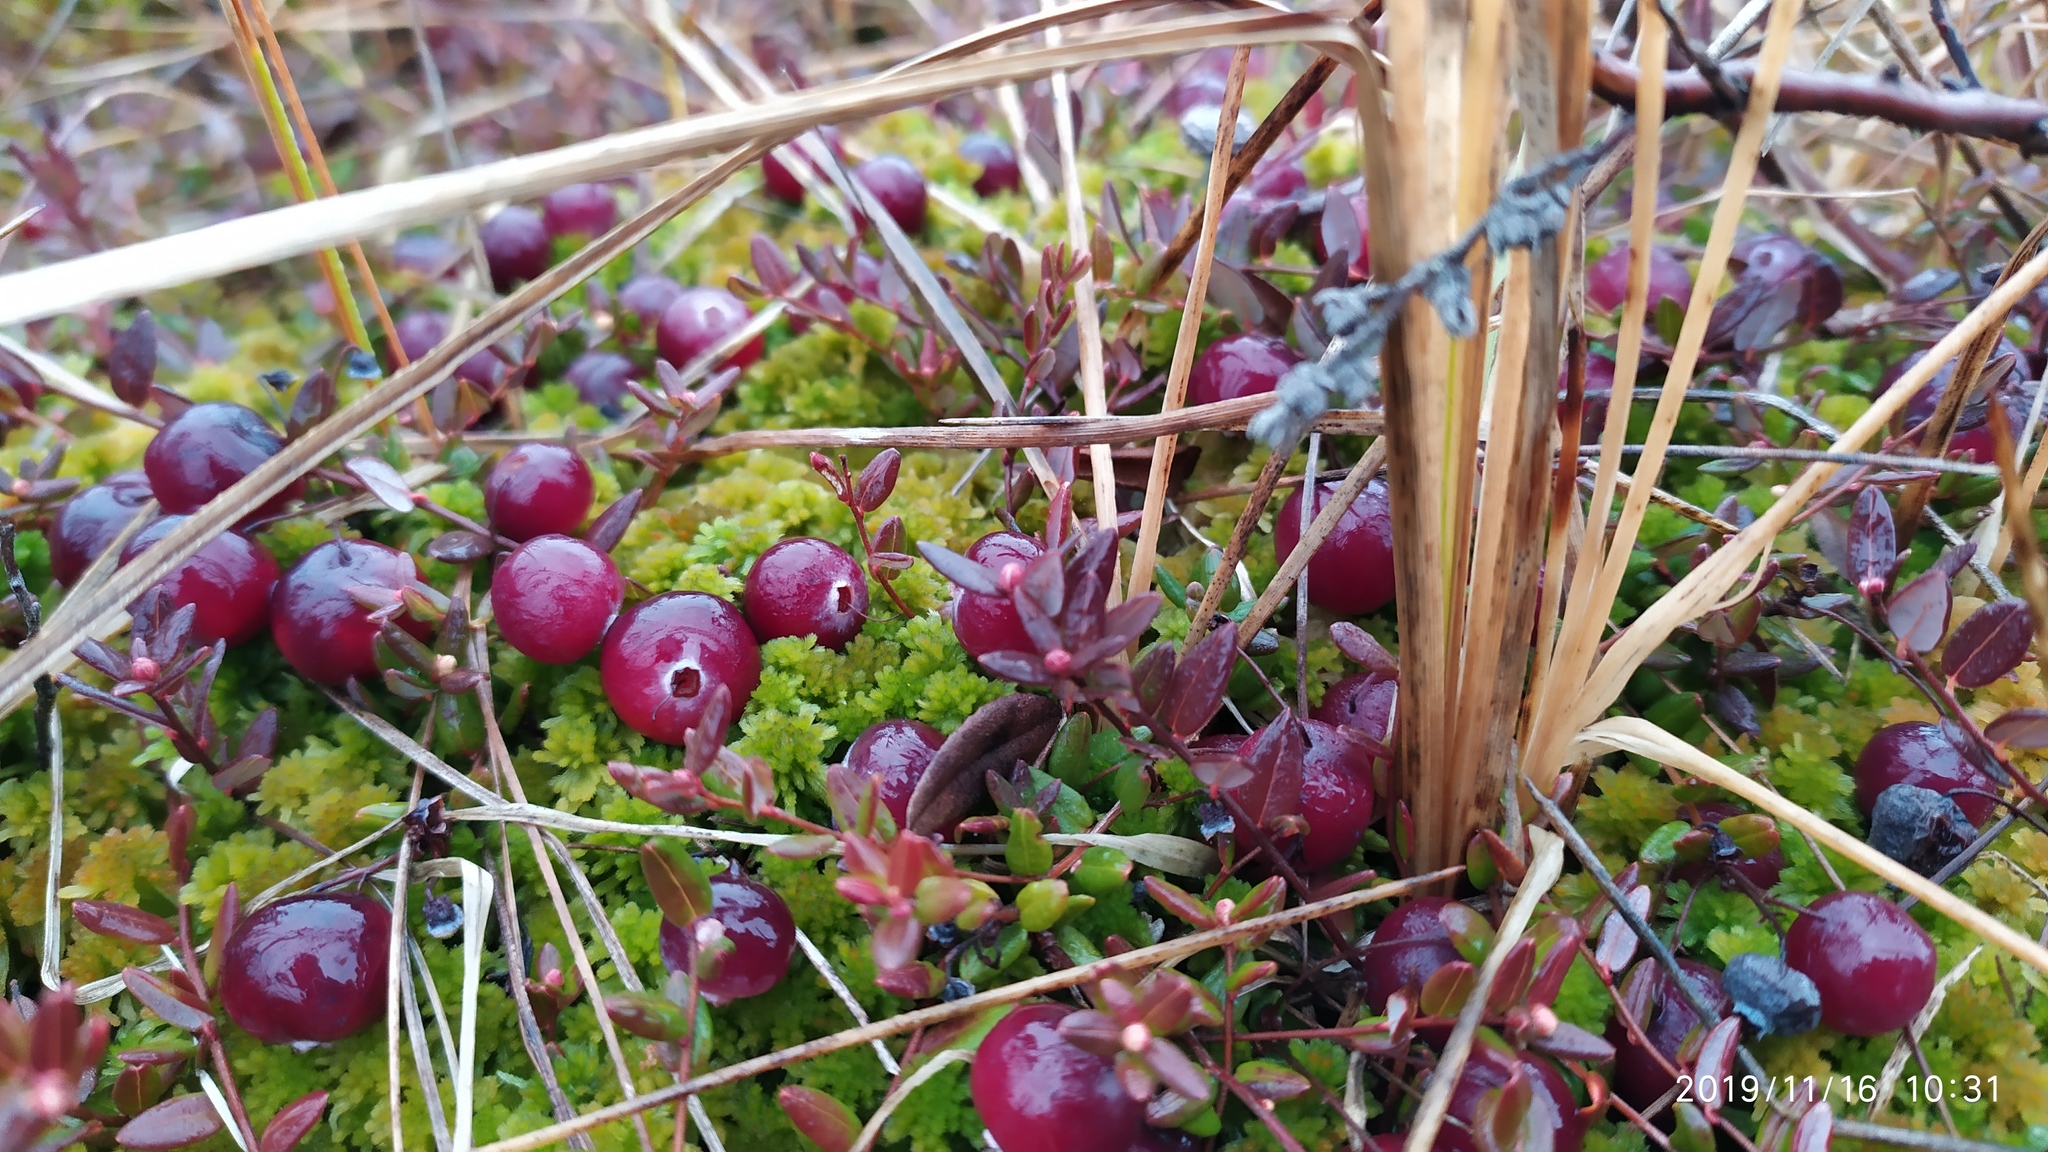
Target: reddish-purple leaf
1176, 1071
2020, 728
1511, 982
1274, 756
609, 528
1503, 1114
1918, 613
312, 403
1445, 991
822, 1119
1271, 1080
177, 1006
960, 570
1815, 1129
1363, 648
178, 1122
648, 1015
382, 481
1152, 677
131, 363
1989, 643
1717, 1056
877, 480
1199, 681
770, 267
1571, 1042
1618, 940
1220, 771
292, 1123
678, 883
1339, 229
1873, 544
122, 922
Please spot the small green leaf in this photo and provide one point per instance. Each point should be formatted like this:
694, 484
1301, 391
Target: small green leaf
1471, 935
1041, 904
1660, 847
1028, 853
1479, 867
1132, 787
1070, 760
648, 1015
1102, 871
1009, 948
821, 1118
680, 888
1670, 319
1272, 1080
1754, 834
940, 898
1693, 1133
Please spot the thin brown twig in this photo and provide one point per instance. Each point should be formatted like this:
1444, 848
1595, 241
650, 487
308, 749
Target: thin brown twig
1240, 538
1318, 530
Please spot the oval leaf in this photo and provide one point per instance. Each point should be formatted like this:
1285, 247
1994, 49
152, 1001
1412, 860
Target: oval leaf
382, 481
1989, 644
678, 883
2020, 728
175, 1005
1717, 1055
822, 1119
1617, 939
292, 1122
1918, 613
123, 922
1815, 1129
178, 1122
648, 1015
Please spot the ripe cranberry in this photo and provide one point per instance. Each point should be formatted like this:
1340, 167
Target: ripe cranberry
1552, 1106
1638, 1077
998, 161
1408, 945
1248, 364
1037, 1092
579, 210
1353, 572
419, 332
761, 930
987, 623
1607, 279
90, 521
664, 658
228, 582
600, 378
1873, 965
516, 246
1362, 700
553, 597
645, 297
1336, 795
206, 450
804, 586
1762, 871
1921, 754
538, 488
781, 184
701, 319
895, 753
898, 187
307, 969
318, 625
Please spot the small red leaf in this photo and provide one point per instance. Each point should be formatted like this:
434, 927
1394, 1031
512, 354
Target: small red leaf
1873, 543
123, 922
292, 1123
175, 1005
1179, 902
1918, 613
131, 364
1717, 1056
1617, 939
609, 528
2020, 728
1199, 681
1989, 643
821, 1118
877, 480
178, 1122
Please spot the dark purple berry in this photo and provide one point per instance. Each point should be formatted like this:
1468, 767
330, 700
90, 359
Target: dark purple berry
1353, 572
1638, 1077
1036, 1092
1409, 945
600, 378
1776, 1000
320, 627
1919, 828
579, 210
761, 930
307, 969
644, 298
780, 183
665, 657
1336, 795
898, 187
1873, 965
998, 161
90, 521
1248, 364
701, 319
554, 596
987, 623
420, 332
1921, 754
1362, 700
539, 488
206, 450
895, 754
516, 246
228, 582
1607, 279
1552, 1107
803, 586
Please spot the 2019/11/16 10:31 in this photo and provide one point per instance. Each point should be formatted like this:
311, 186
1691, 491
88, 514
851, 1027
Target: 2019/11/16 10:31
1855, 1090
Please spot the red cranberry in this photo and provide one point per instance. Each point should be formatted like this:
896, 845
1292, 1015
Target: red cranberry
1037, 1092
645, 298
1248, 364
538, 488
516, 246
781, 184
1362, 700
317, 623
228, 582
1336, 795
1353, 572
761, 930
898, 187
987, 623
1921, 754
1551, 1106
895, 753
554, 596
90, 521
579, 210
998, 161
803, 586
600, 377
1873, 965
307, 969
421, 332
701, 319
1607, 279
206, 450
1762, 871
664, 658
1408, 945
1638, 1077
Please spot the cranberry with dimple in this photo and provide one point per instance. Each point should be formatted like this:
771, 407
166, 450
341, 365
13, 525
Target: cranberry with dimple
539, 488
898, 187
1922, 755
307, 969
1638, 1076
1000, 171
321, 629
644, 298
1873, 965
516, 246
1247, 364
895, 754
1409, 945
762, 932
1353, 571
700, 319
1037, 1092
228, 582
804, 586
1362, 700
554, 596
986, 623
204, 451
664, 658
91, 520
579, 210
1607, 279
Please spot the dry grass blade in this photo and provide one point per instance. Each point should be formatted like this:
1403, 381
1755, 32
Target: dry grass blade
872, 1130
65, 382
1319, 530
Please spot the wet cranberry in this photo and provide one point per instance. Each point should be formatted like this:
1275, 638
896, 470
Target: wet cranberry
1362, 700
1353, 572
1762, 871
1408, 945
553, 597
781, 184
206, 450
319, 626
307, 969
227, 582
90, 521
1873, 965
1248, 364
1921, 754
600, 378
803, 586
761, 930
898, 187
1038, 1093
1552, 1108
420, 332
579, 210
987, 623
701, 319
1607, 279
998, 161
644, 298
516, 246
538, 488
895, 753
664, 658
1336, 795
1638, 1077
